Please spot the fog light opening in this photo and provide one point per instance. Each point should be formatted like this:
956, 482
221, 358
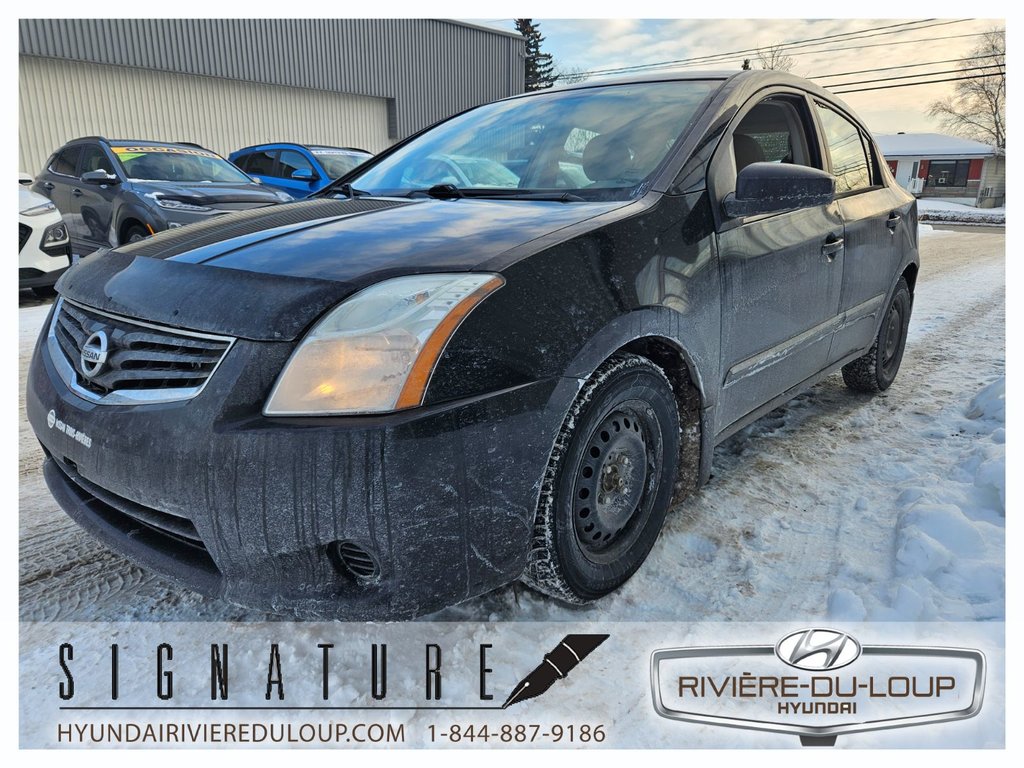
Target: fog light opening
349, 558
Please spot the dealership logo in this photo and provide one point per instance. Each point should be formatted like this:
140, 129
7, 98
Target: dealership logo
94, 354
828, 684
51, 418
817, 649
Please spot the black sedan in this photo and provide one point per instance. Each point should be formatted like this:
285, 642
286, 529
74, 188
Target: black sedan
393, 397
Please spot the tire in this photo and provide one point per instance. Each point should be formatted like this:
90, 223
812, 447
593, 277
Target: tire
45, 292
608, 483
134, 233
876, 371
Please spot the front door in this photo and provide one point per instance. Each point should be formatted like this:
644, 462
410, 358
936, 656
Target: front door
94, 202
781, 273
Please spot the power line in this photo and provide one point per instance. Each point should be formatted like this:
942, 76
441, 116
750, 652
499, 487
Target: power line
903, 66
787, 46
731, 54
919, 74
923, 82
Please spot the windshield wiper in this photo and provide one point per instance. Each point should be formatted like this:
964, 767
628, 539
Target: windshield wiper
557, 197
451, 192
351, 192
438, 192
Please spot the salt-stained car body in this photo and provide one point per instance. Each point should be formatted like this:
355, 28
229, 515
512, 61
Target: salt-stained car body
385, 400
44, 248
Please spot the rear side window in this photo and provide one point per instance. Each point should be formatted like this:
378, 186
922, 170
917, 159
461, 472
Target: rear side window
258, 163
66, 161
292, 161
848, 149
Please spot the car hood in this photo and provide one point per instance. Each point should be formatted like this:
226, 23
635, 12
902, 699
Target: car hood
211, 194
268, 273
29, 199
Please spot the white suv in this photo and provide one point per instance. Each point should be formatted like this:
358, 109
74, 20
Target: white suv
44, 248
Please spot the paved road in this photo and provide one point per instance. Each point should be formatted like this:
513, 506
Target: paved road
795, 501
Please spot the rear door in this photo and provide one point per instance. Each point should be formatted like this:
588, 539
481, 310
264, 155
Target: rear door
58, 178
781, 272
876, 215
262, 165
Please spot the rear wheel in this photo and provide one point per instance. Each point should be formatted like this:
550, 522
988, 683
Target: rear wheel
608, 484
876, 371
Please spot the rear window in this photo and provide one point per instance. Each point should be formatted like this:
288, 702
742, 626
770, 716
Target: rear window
848, 149
66, 161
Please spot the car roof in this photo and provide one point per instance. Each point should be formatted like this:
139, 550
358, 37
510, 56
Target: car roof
311, 147
141, 143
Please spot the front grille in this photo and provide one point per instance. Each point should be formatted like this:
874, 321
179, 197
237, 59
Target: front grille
143, 362
24, 233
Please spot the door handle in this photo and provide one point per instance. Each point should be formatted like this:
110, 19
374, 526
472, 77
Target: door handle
892, 221
48, 185
76, 192
832, 246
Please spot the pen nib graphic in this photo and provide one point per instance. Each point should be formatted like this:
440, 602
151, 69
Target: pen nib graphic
556, 665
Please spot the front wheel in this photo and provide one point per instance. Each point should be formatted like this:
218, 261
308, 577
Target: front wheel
608, 483
876, 371
135, 233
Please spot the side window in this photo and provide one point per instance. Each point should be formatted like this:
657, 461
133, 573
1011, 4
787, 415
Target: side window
292, 161
774, 131
259, 163
95, 159
66, 161
846, 146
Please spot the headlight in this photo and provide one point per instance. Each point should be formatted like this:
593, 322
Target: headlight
38, 210
284, 197
178, 205
55, 234
376, 350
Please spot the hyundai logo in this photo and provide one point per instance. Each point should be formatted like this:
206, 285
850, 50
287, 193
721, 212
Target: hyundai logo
94, 354
817, 649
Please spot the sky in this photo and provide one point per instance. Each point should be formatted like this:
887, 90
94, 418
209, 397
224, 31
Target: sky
591, 44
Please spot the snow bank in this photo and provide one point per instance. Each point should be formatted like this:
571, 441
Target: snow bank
930, 209
950, 532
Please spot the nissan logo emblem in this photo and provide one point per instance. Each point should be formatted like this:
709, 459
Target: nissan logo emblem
94, 354
817, 650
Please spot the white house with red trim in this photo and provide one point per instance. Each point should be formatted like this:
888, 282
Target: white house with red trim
955, 169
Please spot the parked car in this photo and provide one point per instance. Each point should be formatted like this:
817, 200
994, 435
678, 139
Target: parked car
44, 248
298, 169
385, 400
116, 191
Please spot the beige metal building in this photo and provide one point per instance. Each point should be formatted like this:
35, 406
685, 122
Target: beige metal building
229, 83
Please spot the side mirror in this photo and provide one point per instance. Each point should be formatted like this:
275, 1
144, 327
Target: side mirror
24, 179
99, 177
774, 187
304, 174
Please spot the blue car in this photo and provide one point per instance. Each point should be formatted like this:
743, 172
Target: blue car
298, 169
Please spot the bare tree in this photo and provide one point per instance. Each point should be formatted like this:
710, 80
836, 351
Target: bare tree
569, 75
977, 108
775, 57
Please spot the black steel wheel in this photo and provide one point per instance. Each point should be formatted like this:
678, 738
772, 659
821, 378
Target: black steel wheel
876, 371
609, 482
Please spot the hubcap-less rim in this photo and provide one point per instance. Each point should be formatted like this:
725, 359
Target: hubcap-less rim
613, 486
893, 333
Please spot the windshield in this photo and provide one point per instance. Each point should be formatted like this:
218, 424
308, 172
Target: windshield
596, 143
338, 162
182, 164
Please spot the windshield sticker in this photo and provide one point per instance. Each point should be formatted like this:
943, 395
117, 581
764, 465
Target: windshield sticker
130, 153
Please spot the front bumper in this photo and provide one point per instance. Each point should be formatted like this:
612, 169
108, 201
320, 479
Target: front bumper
443, 498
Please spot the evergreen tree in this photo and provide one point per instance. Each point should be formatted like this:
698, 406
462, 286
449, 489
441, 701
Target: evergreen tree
539, 67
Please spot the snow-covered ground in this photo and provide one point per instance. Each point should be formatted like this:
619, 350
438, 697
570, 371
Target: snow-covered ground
836, 506
937, 209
